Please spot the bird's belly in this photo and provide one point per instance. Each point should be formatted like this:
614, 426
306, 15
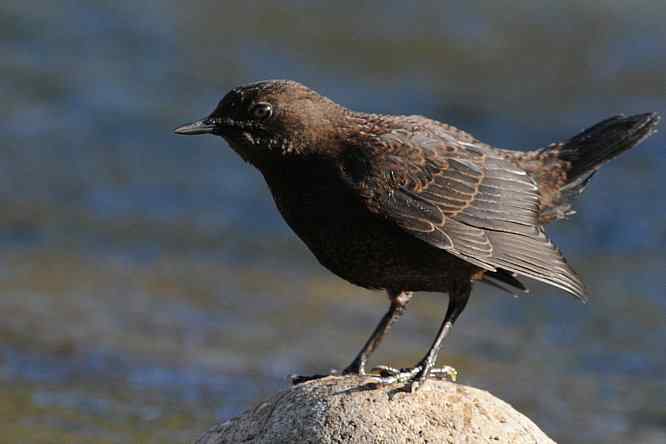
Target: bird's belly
364, 249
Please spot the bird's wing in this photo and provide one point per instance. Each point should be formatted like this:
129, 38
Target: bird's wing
459, 196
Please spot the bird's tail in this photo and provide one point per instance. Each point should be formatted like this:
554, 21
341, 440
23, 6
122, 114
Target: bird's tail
587, 151
563, 169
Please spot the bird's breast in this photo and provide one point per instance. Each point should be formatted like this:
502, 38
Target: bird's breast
349, 240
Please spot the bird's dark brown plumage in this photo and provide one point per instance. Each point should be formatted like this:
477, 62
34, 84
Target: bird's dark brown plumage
405, 203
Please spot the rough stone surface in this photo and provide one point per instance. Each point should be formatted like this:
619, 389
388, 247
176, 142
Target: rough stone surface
353, 410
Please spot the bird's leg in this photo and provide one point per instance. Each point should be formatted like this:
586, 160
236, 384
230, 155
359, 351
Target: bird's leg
399, 301
458, 297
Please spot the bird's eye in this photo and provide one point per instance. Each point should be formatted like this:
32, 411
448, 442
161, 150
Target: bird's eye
262, 111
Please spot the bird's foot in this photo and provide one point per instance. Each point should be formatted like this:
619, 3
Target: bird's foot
356, 368
414, 377
300, 379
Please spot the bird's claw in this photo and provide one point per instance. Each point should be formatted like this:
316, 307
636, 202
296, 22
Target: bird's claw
446, 372
300, 379
387, 375
385, 370
414, 376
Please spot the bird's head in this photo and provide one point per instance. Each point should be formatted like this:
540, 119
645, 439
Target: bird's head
267, 121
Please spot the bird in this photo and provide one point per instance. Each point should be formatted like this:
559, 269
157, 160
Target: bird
407, 204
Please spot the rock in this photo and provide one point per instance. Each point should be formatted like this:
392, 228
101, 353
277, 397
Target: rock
353, 409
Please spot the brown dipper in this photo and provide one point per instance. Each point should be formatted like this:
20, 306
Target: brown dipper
406, 203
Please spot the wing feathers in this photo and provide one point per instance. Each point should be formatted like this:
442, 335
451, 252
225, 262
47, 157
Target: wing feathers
462, 197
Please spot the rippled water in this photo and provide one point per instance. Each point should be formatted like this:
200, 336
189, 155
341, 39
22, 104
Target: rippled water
149, 288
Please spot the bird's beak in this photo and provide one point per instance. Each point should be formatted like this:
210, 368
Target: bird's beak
204, 126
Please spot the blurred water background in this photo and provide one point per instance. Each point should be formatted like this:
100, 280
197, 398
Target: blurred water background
149, 287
